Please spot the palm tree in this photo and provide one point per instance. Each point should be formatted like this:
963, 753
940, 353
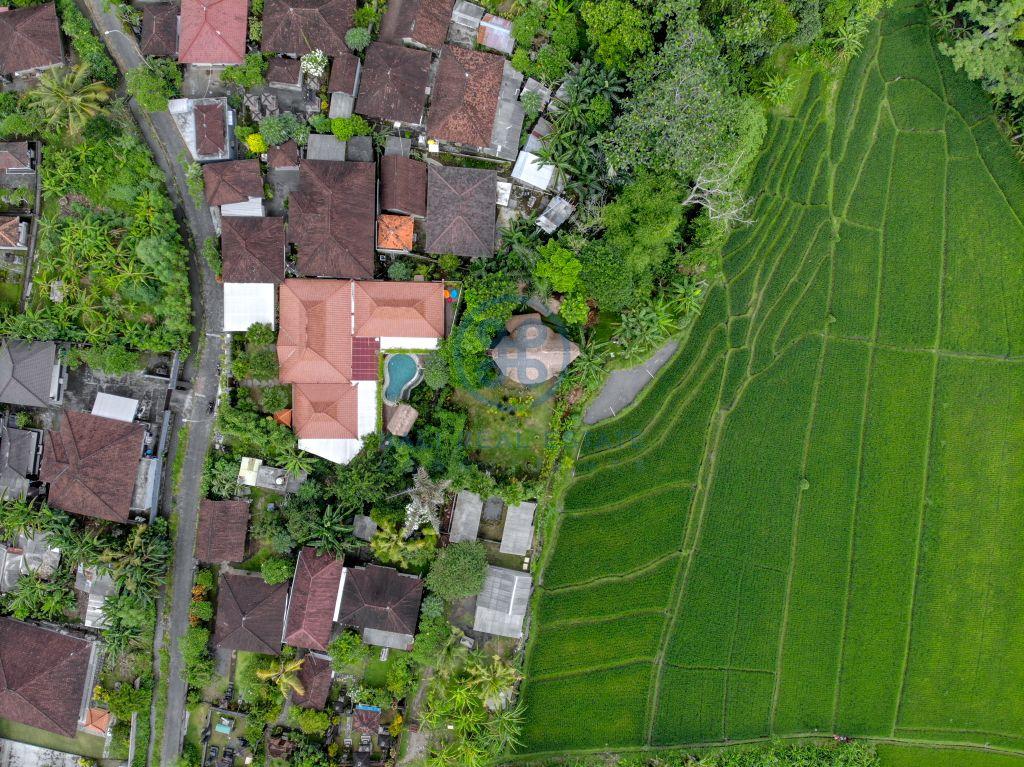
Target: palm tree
285, 676
296, 462
504, 729
427, 497
69, 98
495, 681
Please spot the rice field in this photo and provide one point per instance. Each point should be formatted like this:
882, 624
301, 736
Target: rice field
813, 521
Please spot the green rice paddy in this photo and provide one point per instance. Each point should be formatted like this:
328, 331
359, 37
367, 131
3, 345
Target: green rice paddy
813, 522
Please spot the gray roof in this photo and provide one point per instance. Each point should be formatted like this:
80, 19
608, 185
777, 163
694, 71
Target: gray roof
26, 372
325, 147
493, 508
466, 517
359, 149
97, 585
517, 537
19, 459
363, 527
501, 606
29, 555
380, 638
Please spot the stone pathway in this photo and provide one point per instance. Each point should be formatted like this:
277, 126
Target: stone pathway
623, 386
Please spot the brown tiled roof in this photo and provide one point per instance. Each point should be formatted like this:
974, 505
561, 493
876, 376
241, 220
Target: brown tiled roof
366, 721
422, 21
250, 614
10, 230
220, 536
284, 156
314, 344
160, 29
331, 218
211, 128
232, 181
29, 39
464, 99
314, 593
394, 232
14, 155
42, 676
403, 185
344, 69
381, 598
282, 70
393, 85
400, 309
213, 31
365, 359
315, 675
300, 26
461, 211
252, 248
91, 464
325, 411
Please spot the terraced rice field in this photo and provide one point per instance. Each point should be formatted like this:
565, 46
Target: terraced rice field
814, 521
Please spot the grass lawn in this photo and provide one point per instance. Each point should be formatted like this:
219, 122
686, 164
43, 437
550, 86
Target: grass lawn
196, 720
85, 745
504, 440
813, 521
10, 294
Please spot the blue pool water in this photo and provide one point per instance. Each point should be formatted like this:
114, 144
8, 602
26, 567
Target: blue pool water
401, 374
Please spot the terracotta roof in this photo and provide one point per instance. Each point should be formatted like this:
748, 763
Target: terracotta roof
366, 719
91, 465
42, 676
325, 411
213, 31
250, 614
211, 130
252, 248
10, 231
284, 417
422, 21
461, 211
282, 70
159, 29
381, 598
399, 309
222, 529
344, 69
393, 86
316, 676
300, 26
314, 344
97, 721
403, 185
464, 99
331, 218
14, 156
314, 593
232, 181
365, 359
394, 232
29, 39
26, 371
284, 156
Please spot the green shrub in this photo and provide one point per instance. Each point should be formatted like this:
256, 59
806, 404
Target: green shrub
277, 570
527, 25
87, 45
358, 38
211, 254
153, 83
113, 359
458, 571
399, 270
258, 365
275, 398
247, 75
260, 334
309, 721
347, 650
436, 372
278, 129
320, 123
202, 611
345, 128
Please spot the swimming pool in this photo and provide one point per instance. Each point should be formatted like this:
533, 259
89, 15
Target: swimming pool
401, 374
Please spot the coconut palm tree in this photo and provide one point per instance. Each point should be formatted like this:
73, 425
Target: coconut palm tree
494, 681
427, 496
69, 98
284, 675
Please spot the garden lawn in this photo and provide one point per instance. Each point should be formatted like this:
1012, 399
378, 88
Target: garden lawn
813, 521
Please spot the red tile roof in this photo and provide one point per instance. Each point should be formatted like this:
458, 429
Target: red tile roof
211, 129
10, 231
381, 598
222, 530
393, 86
29, 39
461, 211
42, 676
232, 181
252, 249
284, 71
325, 411
14, 156
316, 676
284, 156
394, 232
423, 21
159, 29
300, 26
213, 31
365, 359
464, 99
366, 720
400, 309
314, 594
403, 185
314, 344
250, 614
97, 721
344, 69
331, 218
91, 464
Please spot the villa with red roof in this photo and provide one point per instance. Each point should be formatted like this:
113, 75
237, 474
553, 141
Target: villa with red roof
331, 333
212, 32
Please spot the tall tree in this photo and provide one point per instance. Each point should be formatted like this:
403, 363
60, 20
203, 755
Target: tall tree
69, 98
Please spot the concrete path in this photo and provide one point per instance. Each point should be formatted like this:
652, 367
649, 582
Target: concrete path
623, 386
202, 368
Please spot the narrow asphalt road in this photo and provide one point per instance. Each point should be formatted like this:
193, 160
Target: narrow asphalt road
202, 367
